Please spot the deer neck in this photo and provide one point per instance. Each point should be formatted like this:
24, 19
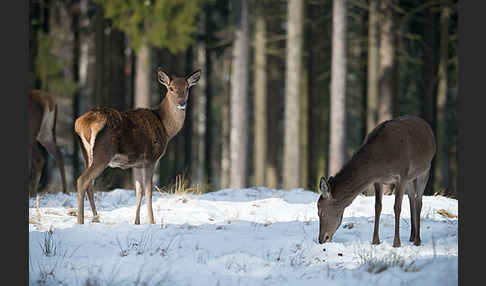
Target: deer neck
352, 179
171, 117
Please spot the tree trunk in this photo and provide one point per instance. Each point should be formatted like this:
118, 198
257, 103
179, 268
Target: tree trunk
100, 57
441, 170
76, 55
338, 88
428, 99
304, 128
292, 148
239, 97
142, 84
116, 54
386, 66
260, 103
373, 64
198, 117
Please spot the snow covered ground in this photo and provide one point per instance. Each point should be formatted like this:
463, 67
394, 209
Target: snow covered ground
254, 236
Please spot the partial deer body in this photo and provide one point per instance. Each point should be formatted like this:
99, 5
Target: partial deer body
397, 152
131, 139
42, 134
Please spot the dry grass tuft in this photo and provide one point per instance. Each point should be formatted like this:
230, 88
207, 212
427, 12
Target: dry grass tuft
181, 187
445, 213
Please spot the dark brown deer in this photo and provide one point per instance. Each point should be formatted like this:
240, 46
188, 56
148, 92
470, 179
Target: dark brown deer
131, 139
42, 109
397, 152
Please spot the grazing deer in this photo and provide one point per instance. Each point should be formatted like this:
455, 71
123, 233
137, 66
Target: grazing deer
397, 152
42, 132
131, 139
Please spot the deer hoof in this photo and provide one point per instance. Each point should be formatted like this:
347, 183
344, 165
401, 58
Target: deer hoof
376, 242
417, 243
96, 219
396, 244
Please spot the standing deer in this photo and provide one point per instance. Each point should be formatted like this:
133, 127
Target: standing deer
42, 132
397, 152
131, 139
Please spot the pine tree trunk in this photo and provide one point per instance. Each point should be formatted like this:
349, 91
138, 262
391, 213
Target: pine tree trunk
239, 97
338, 88
76, 55
116, 54
142, 84
304, 128
386, 66
292, 135
100, 57
442, 171
428, 99
260, 80
373, 64
198, 118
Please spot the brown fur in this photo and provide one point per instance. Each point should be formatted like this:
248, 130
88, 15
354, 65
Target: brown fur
397, 152
130, 139
42, 132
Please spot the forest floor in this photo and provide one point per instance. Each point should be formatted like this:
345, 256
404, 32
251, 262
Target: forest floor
255, 236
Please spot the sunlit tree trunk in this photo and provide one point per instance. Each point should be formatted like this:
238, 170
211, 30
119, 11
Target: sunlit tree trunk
198, 114
292, 136
239, 97
142, 84
260, 99
387, 62
373, 63
338, 88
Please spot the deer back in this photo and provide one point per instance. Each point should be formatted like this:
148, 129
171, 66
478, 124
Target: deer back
403, 146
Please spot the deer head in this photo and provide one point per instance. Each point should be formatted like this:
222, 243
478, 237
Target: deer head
329, 210
178, 87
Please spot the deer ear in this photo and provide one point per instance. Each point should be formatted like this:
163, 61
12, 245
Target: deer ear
193, 78
163, 77
324, 188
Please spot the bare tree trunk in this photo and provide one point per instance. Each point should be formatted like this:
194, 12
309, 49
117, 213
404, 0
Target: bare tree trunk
373, 64
225, 121
198, 114
116, 53
100, 57
304, 128
142, 84
429, 70
441, 170
292, 148
386, 67
260, 80
338, 88
76, 55
239, 97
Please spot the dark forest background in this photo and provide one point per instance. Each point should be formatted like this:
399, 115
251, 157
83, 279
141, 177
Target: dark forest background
310, 79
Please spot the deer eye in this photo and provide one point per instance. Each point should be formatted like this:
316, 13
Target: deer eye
171, 89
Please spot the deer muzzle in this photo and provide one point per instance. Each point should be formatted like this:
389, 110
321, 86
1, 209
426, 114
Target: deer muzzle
181, 105
325, 238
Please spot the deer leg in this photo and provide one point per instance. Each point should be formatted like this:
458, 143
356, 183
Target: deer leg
87, 178
420, 187
51, 147
398, 208
411, 190
38, 162
91, 202
378, 206
138, 182
148, 174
